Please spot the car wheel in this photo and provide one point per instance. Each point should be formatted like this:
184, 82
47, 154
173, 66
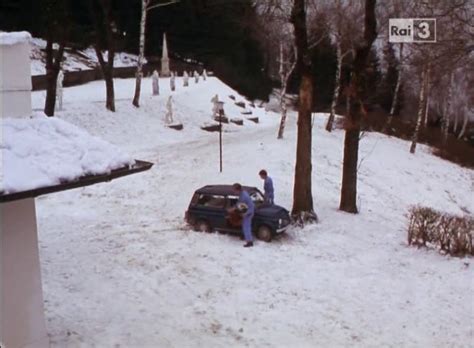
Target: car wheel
202, 226
264, 233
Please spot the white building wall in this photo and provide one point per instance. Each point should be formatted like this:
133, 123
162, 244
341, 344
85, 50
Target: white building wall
22, 322
15, 78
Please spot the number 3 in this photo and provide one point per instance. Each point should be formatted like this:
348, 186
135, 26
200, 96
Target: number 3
424, 32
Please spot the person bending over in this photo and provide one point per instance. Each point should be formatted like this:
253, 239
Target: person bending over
244, 198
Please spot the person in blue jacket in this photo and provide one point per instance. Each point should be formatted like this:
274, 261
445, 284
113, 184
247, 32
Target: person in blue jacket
269, 192
244, 198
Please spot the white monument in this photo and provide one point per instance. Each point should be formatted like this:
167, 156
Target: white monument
204, 75
215, 106
165, 62
196, 76
155, 78
59, 89
173, 81
169, 111
15, 74
185, 79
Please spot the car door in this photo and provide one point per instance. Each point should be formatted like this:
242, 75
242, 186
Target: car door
212, 208
232, 225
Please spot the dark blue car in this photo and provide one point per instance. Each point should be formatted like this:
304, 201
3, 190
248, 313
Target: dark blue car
209, 210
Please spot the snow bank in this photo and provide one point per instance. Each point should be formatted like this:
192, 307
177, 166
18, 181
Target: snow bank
14, 38
43, 151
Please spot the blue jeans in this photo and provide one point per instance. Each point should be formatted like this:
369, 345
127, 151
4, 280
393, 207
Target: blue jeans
247, 227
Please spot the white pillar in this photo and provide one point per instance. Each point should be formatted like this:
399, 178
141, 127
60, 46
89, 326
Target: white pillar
22, 322
15, 75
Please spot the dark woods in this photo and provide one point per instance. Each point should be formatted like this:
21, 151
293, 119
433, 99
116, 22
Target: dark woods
222, 34
218, 33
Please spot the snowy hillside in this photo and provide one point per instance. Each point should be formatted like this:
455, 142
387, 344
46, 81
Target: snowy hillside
74, 60
121, 269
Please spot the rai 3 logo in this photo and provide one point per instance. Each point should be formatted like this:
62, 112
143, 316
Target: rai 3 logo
411, 30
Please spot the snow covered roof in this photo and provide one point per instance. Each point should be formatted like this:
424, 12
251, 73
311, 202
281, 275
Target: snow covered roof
13, 38
42, 152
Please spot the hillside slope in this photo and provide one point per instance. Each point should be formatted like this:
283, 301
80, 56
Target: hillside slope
121, 269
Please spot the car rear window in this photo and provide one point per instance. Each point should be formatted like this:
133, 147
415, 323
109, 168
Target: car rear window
213, 201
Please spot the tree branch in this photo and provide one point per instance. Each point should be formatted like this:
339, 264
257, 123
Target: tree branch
171, 2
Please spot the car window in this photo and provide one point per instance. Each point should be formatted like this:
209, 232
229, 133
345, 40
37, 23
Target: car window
213, 201
195, 199
257, 197
232, 200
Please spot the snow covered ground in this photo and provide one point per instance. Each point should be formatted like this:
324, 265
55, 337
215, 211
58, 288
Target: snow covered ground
121, 270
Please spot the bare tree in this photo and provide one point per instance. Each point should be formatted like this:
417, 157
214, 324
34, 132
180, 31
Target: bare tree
56, 31
466, 102
441, 59
344, 33
447, 112
147, 5
302, 193
464, 125
285, 72
53, 65
352, 125
396, 93
427, 99
421, 104
105, 24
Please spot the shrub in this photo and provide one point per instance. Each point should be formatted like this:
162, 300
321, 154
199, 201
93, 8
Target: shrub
449, 233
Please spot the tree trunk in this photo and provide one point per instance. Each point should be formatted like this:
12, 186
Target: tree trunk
53, 64
107, 71
464, 126
109, 85
447, 112
427, 96
421, 103
427, 107
284, 76
397, 89
283, 108
106, 67
357, 92
284, 111
302, 192
337, 86
456, 122
351, 158
141, 54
